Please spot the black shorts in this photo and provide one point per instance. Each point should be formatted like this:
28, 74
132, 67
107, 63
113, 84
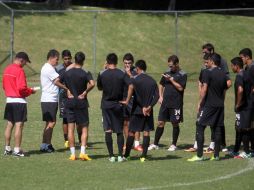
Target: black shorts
127, 109
78, 116
243, 119
141, 123
173, 115
15, 112
49, 111
211, 116
113, 118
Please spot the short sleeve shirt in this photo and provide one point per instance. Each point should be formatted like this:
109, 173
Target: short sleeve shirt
173, 98
49, 89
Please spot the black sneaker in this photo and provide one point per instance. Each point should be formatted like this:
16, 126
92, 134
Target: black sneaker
18, 154
7, 152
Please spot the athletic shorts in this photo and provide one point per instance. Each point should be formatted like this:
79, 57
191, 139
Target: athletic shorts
113, 118
127, 110
49, 111
211, 116
15, 112
170, 114
243, 119
78, 116
141, 123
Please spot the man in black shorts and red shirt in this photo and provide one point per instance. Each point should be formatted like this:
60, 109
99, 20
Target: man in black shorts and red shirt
171, 90
211, 106
242, 109
146, 94
79, 82
112, 81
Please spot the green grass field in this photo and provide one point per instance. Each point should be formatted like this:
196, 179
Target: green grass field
149, 37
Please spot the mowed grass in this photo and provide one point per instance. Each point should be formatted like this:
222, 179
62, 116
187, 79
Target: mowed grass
149, 37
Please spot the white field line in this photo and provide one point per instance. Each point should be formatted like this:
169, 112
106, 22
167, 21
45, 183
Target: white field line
249, 167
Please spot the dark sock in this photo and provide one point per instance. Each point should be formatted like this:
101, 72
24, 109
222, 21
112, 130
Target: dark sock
146, 141
246, 141
158, 134
176, 131
252, 139
66, 137
223, 136
238, 140
200, 139
217, 140
129, 144
120, 142
109, 143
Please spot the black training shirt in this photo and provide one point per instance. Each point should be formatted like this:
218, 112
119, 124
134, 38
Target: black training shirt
216, 80
112, 82
239, 82
146, 93
173, 98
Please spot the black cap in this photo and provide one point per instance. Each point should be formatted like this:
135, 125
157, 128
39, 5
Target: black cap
23, 55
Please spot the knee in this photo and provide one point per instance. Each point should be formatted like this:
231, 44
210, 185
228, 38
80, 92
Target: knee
161, 124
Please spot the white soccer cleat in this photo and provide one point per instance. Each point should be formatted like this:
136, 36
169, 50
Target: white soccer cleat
153, 147
172, 148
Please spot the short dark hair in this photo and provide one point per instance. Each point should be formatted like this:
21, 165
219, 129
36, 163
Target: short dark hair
52, 53
80, 58
246, 52
66, 53
174, 59
112, 59
216, 58
237, 61
141, 64
209, 47
206, 56
128, 56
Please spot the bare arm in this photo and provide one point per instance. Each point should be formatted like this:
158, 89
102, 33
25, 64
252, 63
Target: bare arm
90, 86
161, 92
130, 93
239, 97
202, 94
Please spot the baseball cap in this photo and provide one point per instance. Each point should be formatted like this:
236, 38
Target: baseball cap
23, 55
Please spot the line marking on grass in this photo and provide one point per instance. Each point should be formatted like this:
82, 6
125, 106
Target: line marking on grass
249, 167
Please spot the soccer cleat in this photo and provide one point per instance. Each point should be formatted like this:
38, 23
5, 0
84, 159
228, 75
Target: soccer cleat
142, 159
153, 147
195, 159
192, 149
208, 150
126, 158
7, 152
84, 157
66, 144
224, 149
48, 149
172, 148
72, 157
18, 154
243, 155
213, 158
138, 148
120, 159
112, 159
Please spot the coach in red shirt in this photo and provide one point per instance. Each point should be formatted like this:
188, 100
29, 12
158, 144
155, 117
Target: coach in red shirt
16, 90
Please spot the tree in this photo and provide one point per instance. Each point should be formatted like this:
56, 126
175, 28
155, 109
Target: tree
58, 4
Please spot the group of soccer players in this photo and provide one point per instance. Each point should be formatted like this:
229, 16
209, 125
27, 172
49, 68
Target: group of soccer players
128, 98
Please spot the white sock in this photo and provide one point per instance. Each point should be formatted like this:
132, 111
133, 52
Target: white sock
136, 143
83, 150
16, 149
8, 148
195, 145
212, 144
72, 149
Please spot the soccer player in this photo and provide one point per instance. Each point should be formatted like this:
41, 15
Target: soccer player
200, 84
171, 91
112, 81
130, 70
209, 48
211, 106
246, 56
49, 98
66, 56
242, 109
146, 94
16, 91
79, 82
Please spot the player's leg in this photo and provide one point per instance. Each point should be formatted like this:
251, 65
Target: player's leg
71, 139
120, 143
129, 143
146, 141
217, 147
7, 134
137, 145
158, 134
175, 135
65, 133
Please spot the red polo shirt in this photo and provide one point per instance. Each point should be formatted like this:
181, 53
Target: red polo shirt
14, 82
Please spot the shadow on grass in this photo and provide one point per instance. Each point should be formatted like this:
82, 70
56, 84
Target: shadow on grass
168, 157
95, 157
184, 146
